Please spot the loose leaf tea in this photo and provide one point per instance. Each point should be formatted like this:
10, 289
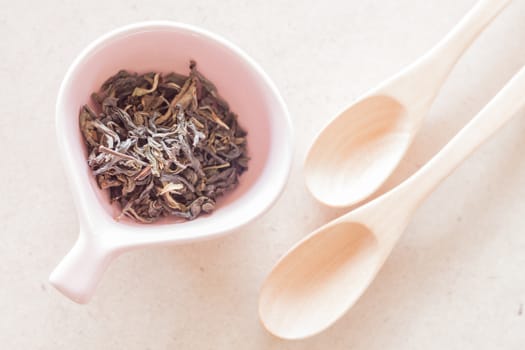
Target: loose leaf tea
163, 145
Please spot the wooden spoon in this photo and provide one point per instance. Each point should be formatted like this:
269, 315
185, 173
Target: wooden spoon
320, 278
362, 146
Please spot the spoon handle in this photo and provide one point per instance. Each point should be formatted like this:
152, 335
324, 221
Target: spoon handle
490, 119
437, 63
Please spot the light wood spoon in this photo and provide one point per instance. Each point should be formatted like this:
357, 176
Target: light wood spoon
320, 278
363, 145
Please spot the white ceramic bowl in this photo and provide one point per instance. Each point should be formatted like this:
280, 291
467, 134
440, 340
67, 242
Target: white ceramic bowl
166, 46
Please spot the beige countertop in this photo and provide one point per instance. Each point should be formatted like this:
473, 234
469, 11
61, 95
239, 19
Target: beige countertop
456, 279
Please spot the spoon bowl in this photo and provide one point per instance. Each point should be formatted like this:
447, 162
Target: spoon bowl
323, 275
339, 260
357, 149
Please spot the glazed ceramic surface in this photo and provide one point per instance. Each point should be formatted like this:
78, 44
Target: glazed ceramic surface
166, 47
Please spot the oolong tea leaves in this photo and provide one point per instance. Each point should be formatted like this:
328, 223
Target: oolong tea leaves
163, 144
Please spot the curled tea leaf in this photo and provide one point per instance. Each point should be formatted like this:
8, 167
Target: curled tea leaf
172, 187
138, 91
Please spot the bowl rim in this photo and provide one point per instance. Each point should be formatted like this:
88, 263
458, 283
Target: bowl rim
161, 232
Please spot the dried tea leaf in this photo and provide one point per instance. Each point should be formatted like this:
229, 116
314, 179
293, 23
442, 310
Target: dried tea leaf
138, 91
171, 187
163, 145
